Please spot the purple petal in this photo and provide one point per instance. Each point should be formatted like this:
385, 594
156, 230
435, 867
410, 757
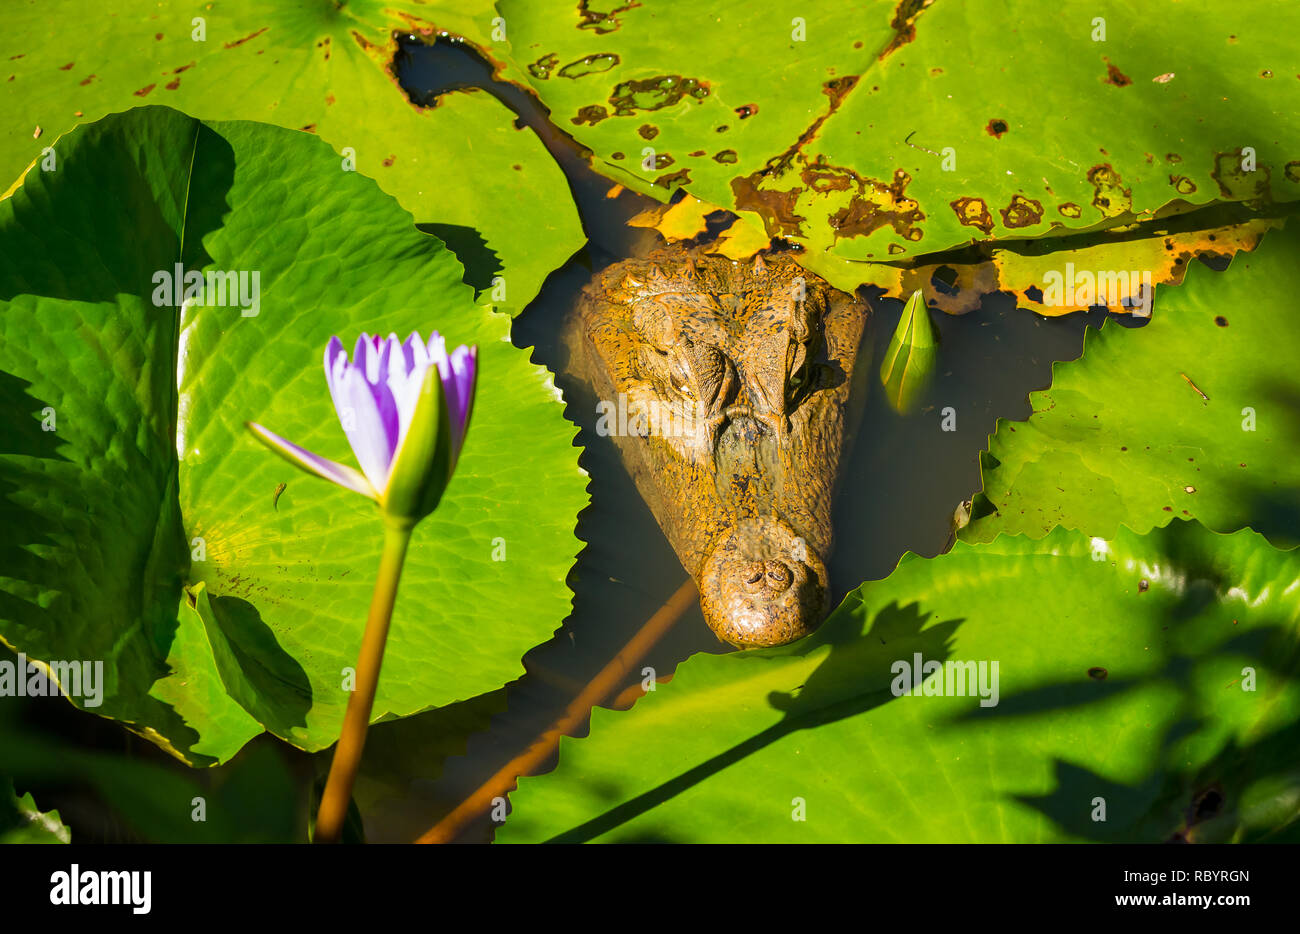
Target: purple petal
333, 352
373, 423
464, 366
322, 467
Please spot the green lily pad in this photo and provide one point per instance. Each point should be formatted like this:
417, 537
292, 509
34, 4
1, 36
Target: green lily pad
1193, 415
321, 67
878, 131
1139, 679
21, 821
225, 592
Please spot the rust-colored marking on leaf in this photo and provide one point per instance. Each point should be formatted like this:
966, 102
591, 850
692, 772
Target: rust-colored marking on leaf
904, 25
388, 163
329, 99
254, 35
1070, 209
591, 114
1109, 195
1116, 77
877, 205
589, 65
746, 111
973, 212
177, 71
655, 93
674, 180
173, 84
1182, 184
1292, 171
996, 128
542, 68
158, 37
86, 80
309, 128
602, 23
144, 91
725, 157
67, 66
777, 208
648, 131
1022, 212
1238, 184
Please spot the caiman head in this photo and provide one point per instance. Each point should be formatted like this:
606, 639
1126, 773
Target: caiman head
726, 386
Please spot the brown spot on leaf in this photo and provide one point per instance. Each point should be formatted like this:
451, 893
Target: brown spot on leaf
589, 65
675, 179
390, 160
157, 37
1182, 184
1116, 77
697, 154
904, 25
616, 155
145, 90
1070, 209
654, 93
173, 84
309, 128
252, 35
876, 205
726, 156
1221, 321
1109, 195
777, 208
973, 212
747, 111
591, 114
86, 80
1237, 183
602, 23
542, 68
836, 88
1021, 212
996, 128
1098, 673
329, 99
648, 131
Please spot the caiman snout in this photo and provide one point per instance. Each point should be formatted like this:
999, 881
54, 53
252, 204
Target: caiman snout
762, 585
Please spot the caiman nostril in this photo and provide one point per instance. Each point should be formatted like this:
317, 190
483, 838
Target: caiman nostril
778, 575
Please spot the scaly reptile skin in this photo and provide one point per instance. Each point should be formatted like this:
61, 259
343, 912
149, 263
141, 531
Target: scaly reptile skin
742, 374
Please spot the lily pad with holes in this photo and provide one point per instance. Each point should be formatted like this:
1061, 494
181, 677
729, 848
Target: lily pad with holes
884, 130
323, 68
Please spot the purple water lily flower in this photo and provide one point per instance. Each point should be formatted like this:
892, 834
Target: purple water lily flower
378, 397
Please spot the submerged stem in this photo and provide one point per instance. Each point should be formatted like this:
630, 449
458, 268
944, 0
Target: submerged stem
347, 754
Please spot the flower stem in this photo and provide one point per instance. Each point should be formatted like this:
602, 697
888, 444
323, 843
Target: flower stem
347, 754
